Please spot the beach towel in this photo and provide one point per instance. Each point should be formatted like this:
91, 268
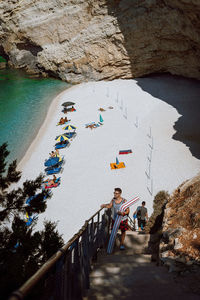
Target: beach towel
52, 185
115, 166
56, 183
88, 124
125, 151
117, 223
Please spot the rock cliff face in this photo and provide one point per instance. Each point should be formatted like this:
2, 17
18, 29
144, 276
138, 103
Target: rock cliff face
181, 227
79, 40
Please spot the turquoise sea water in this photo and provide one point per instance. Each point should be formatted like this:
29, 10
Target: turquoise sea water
24, 102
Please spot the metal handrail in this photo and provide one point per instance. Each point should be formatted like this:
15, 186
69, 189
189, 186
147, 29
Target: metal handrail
34, 279
75, 257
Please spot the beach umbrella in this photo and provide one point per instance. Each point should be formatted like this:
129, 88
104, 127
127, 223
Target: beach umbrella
27, 216
59, 158
69, 135
61, 138
117, 161
100, 119
69, 127
65, 104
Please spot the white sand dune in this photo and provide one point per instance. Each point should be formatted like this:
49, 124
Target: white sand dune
138, 121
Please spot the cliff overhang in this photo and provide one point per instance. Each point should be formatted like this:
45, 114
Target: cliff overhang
80, 40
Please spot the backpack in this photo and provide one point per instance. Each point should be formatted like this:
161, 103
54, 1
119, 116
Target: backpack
139, 213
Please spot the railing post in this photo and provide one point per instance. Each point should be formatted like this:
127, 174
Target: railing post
58, 290
98, 230
77, 282
67, 287
85, 260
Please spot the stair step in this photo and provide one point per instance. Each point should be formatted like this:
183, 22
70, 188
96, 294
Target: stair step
112, 264
135, 243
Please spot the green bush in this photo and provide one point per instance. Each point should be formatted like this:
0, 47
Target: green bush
155, 221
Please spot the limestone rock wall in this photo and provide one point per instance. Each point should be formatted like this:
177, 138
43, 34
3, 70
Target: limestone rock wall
78, 40
181, 226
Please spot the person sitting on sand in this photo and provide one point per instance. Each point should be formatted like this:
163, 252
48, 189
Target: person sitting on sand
54, 179
57, 152
66, 120
52, 154
62, 121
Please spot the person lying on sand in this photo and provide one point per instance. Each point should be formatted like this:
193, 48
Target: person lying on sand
91, 126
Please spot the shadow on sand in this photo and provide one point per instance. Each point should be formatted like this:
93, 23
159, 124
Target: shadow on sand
184, 95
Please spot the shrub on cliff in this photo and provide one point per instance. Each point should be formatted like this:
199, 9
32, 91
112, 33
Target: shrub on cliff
155, 221
22, 250
154, 226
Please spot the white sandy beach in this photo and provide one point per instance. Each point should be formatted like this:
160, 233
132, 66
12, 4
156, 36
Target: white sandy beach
138, 121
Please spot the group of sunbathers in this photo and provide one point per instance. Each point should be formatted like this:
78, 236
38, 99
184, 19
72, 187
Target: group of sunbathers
55, 181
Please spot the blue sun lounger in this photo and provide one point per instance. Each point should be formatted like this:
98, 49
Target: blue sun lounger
61, 145
51, 162
54, 162
31, 219
28, 201
52, 171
